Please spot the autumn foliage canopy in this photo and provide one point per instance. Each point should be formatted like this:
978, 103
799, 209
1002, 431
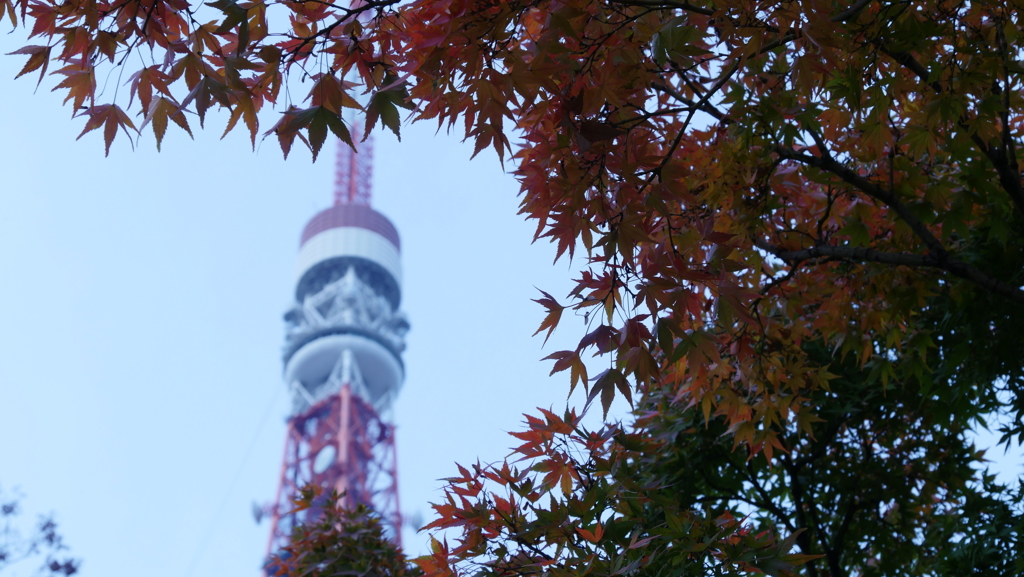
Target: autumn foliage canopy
799, 229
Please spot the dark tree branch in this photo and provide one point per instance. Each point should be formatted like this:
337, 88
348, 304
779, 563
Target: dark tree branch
856, 253
766, 499
705, 107
829, 164
1009, 146
1009, 175
907, 60
687, 7
667, 4
937, 257
821, 444
851, 12
864, 254
796, 490
835, 551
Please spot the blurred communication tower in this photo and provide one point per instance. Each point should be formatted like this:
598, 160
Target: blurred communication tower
343, 355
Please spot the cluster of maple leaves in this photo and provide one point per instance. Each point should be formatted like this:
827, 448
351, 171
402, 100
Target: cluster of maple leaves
232, 60
742, 180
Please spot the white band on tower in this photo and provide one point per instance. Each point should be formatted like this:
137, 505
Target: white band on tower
350, 241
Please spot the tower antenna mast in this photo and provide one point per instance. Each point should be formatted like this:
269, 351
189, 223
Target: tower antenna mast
353, 170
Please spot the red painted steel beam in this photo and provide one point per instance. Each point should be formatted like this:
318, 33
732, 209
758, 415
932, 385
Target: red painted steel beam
364, 463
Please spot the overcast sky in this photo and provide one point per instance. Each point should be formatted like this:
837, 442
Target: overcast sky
141, 330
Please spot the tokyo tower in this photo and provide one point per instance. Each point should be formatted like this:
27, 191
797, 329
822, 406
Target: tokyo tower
343, 354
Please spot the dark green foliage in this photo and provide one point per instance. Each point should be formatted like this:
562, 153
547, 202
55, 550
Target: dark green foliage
339, 542
980, 336
887, 485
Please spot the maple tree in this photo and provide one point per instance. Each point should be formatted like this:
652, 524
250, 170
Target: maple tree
336, 541
43, 546
800, 225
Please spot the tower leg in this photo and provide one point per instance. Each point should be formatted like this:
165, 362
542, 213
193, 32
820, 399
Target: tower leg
339, 443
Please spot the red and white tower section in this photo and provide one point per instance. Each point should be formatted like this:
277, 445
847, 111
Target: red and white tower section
343, 356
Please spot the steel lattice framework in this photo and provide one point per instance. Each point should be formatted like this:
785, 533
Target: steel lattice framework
365, 467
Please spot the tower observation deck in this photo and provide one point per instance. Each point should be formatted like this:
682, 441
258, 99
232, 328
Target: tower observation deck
344, 338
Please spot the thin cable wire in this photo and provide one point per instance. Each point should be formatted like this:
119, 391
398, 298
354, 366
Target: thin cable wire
201, 547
